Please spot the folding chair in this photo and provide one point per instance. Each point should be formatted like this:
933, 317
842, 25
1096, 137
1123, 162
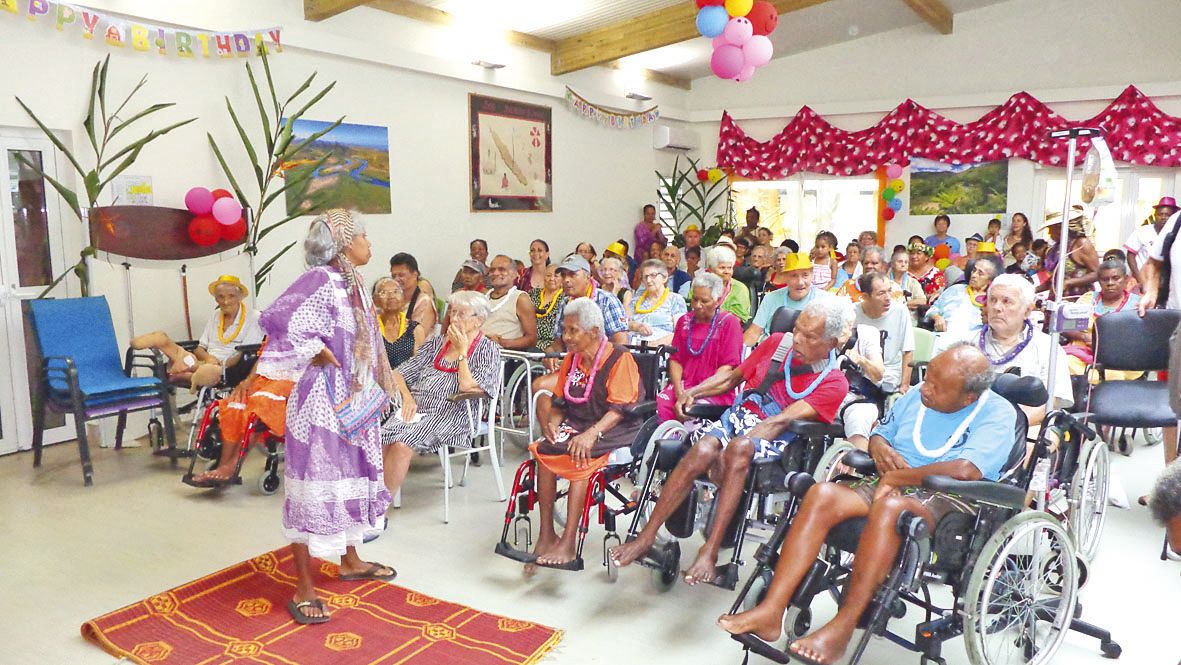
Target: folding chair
481, 413
81, 374
924, 349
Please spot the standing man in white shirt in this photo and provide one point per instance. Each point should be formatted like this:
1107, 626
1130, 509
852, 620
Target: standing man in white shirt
1139, 245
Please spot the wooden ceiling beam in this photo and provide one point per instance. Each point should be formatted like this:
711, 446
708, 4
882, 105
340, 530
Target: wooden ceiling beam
934, 12
653, 30
318, 10
413, 10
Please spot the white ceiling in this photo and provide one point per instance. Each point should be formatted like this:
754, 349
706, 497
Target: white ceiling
811, 28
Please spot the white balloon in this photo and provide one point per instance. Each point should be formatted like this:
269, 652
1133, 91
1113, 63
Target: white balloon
758, 50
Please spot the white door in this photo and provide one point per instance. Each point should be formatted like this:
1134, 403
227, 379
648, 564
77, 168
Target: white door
31, 254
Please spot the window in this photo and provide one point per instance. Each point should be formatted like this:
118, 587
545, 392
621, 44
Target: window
1136, 191
804, 205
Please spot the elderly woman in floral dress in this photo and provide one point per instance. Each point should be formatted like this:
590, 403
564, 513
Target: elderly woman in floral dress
322, 334
464, 361
655, 309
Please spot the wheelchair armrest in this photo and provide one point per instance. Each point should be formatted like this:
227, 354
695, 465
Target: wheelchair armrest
462, 396
706, 411
247, 348
189, 345
984, 491
861, 462
813, 428
641, 409
798, 483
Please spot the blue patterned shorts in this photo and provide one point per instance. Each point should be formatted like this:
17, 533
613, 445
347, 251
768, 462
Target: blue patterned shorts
740, 418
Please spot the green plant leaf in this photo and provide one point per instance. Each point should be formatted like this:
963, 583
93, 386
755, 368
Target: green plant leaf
225, 168
151, 136
70, 197
261, 275
127, 100
265, 231
299, 91
88, 123
91, 182
312, 102
142, 114
102, 92
123, 166
262, 111
266, 67
292, 152
250, 152
57, 143
293, 181
285, 136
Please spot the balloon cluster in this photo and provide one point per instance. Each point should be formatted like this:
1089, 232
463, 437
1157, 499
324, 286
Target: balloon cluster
894, 187
711, 175
942, 257
216, 217
740, 32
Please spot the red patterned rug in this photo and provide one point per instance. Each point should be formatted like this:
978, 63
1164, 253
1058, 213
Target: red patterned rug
240, 615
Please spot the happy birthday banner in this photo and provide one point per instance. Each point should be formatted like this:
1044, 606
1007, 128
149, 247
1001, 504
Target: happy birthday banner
610, 117
141, 36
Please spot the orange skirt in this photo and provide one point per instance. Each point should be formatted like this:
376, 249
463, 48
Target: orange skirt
266, 398
563, 465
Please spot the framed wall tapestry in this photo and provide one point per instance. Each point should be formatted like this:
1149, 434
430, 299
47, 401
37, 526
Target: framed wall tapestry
511, 156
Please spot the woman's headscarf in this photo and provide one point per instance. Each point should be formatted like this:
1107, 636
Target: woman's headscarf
365, 352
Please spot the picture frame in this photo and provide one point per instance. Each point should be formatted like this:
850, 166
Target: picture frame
511, 155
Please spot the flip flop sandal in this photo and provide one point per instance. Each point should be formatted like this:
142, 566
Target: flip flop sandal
296, 610
371, 574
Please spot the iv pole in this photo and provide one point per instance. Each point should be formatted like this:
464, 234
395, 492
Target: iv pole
1055, 305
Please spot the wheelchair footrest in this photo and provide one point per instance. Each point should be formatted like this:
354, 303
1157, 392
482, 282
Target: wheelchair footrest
761, 648
726, 576
929, 636
506, 550
188, 480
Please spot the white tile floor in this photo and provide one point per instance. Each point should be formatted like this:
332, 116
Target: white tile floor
73, 553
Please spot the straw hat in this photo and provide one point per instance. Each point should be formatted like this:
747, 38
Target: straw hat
1078, 223
231, 280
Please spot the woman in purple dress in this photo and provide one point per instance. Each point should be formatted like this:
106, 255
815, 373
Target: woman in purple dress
323, 335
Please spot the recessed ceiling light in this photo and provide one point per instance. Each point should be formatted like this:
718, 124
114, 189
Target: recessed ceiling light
639, 97
487, 65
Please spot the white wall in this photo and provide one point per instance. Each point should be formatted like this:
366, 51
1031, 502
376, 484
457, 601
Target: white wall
1076, 55
601, 176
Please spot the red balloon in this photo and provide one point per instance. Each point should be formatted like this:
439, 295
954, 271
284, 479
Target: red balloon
888, 214
708, 3
222, 194
703, 174
234, 232
764, 17
942, 252
203, 231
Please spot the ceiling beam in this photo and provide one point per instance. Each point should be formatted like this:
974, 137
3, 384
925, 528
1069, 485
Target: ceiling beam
653, 30
934, 12
318, 10
413, 10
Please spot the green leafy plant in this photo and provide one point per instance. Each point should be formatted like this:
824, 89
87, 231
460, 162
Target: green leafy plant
692, 201
277, 131
102, 125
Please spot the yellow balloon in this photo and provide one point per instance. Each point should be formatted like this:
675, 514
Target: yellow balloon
736, 8
715, 175
942, 264
897, 185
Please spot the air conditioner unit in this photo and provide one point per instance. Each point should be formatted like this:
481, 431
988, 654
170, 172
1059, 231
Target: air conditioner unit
665, 137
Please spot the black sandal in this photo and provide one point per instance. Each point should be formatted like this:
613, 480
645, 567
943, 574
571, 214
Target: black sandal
297, 613
370, 573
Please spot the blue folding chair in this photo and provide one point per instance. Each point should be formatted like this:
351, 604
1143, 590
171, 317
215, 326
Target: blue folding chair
81, 374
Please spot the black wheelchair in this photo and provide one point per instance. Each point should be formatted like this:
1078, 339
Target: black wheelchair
1014, 573
764, 492
605, 494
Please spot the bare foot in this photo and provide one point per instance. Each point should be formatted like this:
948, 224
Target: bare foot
825, 646
545, 543
704, 567
625, 554
758, 621
562, 552
223, 472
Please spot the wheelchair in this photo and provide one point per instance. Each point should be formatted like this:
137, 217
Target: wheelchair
209, 445
518, 371
606, 496
206, 395
1014, 573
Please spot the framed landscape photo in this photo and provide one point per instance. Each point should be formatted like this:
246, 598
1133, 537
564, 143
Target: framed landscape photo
511, 155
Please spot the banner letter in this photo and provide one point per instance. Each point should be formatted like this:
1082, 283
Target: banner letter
225, 46
139, 38
37, 8
114, 35
161, 41
242, 44
89, 23
9, 5
65, 16
184, 44
275, 34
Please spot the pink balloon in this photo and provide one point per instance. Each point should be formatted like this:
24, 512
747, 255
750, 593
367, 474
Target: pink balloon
738, 31
199, 201
227, 211
893, 171
720, 40
727, 61
747, 73
758, 50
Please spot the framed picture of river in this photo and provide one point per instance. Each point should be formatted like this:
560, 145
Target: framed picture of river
511, 157
355, 174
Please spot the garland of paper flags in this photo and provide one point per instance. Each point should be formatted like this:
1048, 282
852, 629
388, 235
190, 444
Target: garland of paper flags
1137, 132
609, 117
216, 217
740, 30
119, 32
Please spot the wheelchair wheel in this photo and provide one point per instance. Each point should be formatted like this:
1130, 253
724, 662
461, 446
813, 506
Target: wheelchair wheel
1088, 497
669, 556
268, 483
1022, 593
209, 447
155, 434
758, 590
797, 623
826, 467
514, 407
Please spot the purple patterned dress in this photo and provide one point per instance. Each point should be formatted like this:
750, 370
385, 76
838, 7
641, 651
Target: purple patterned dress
335, 493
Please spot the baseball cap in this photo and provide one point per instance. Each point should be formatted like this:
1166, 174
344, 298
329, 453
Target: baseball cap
472, 264
574, 263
